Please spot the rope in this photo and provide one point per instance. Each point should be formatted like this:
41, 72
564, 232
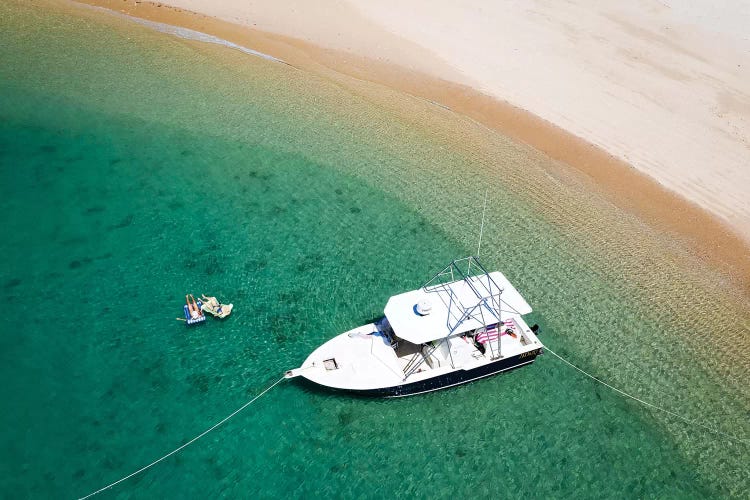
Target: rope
646, 403
196, 438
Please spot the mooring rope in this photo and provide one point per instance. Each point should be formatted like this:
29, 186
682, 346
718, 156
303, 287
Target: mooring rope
646, 403
196, 438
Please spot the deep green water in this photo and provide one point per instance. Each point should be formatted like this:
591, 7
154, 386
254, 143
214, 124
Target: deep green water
135, 168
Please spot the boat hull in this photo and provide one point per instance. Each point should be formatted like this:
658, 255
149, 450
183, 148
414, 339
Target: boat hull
446, 380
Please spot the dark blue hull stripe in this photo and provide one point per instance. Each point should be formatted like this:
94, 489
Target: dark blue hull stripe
451, 379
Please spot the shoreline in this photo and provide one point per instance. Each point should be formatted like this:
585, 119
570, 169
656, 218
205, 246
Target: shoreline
706, 236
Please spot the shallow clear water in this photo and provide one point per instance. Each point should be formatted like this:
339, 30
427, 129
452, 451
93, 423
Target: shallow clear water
137, 167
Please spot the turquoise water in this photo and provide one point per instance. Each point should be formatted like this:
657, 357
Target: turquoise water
136, 168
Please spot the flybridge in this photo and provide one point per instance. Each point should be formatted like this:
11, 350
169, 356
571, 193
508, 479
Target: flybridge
462, 297
471, 295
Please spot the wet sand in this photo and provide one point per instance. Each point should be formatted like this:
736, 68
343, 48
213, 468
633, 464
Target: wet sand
711, 239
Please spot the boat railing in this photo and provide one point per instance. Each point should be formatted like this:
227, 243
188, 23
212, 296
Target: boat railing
417, 361
481, 284
414, 363
485, 311
454, 272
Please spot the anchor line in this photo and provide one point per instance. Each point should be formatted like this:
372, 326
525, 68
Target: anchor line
646, 403
176, 450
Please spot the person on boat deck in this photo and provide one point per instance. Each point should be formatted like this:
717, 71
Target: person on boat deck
195, 311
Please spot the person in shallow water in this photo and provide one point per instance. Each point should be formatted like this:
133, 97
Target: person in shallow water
195, 311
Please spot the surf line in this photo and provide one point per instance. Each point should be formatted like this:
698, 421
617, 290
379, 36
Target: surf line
650, 405
176, 450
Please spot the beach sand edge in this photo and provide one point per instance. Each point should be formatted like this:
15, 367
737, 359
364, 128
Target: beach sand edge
706, 236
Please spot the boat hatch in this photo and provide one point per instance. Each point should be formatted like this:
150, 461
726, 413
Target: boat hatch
330, 364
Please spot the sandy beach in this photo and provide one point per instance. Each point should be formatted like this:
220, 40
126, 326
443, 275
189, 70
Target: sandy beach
651, 102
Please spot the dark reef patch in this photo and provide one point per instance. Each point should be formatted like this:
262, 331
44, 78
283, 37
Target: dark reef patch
125, 222
96, 209
13, 282
199, 382
345, 418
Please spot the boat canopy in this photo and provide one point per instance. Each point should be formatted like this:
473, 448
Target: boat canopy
457, 306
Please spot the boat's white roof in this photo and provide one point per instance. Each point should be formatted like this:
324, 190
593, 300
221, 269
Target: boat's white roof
410, 326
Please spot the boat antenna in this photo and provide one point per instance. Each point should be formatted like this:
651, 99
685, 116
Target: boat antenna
481, 229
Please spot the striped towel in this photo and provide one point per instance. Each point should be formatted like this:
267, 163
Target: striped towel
492, 332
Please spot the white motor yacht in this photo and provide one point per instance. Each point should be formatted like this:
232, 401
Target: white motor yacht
462, 325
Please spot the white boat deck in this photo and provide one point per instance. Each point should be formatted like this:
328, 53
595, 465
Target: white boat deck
358, 359
363, 359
